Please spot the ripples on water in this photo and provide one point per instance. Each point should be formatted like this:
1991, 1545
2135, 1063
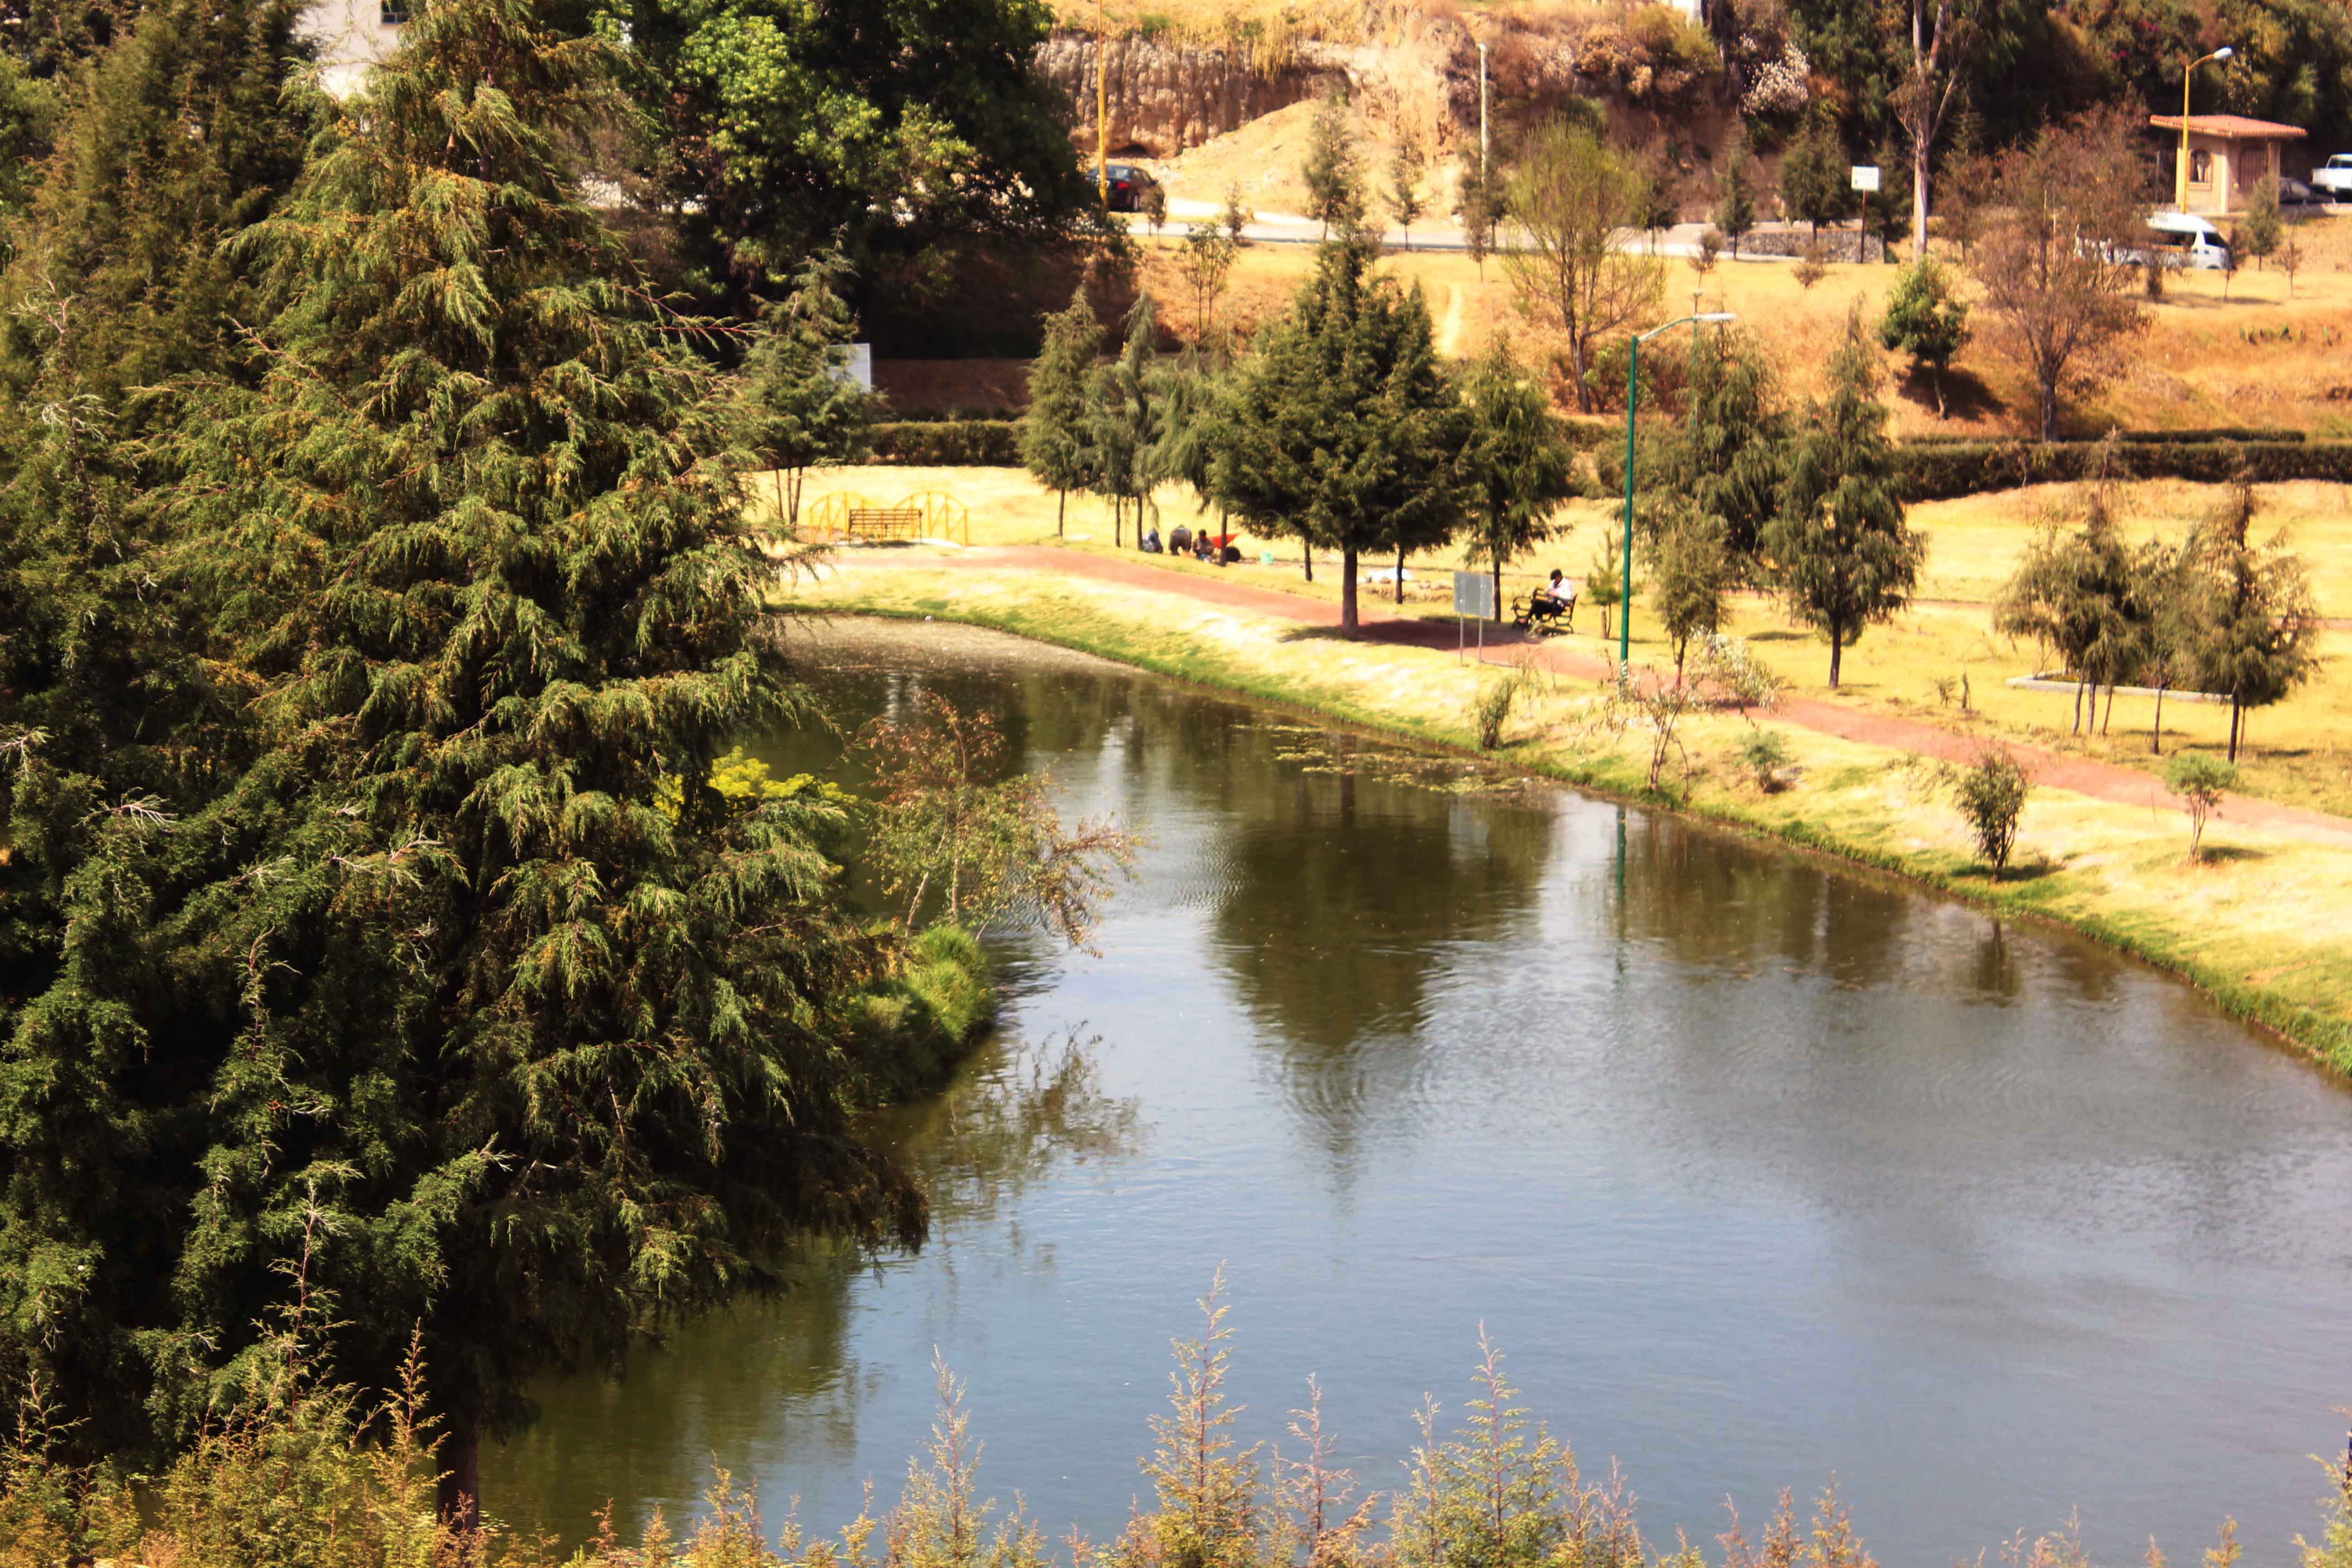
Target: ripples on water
1757, 1170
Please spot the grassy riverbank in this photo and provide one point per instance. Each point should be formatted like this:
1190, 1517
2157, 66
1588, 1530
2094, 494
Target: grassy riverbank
2261, 924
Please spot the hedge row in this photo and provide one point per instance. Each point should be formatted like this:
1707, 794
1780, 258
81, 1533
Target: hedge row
1939, 472
1943, 470
949, 443
2139, 438
1930, 470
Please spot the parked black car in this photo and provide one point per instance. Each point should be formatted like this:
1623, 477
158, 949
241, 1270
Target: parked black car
2295, 194
1128, 186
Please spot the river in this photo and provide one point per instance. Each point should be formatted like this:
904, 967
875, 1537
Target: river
1757, 1169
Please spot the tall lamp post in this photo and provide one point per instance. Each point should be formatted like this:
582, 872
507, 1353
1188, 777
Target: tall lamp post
2181, 203
1632, 401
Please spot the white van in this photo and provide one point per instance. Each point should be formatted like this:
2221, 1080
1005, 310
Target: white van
2184, 239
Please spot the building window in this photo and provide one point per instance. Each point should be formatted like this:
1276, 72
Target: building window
2200, 167
392, 13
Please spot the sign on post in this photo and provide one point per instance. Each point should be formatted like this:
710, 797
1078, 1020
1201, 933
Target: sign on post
1866, 176
1473, 598
1473, 595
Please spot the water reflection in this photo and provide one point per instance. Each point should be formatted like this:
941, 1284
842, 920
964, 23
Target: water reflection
1760, 1168
1015, 1118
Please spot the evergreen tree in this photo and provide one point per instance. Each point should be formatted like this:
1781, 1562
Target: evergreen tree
1654, 207
1926, 319
2078, 594
1517, 467
1342, 429
1735, 195
1725, 459
2256, 626
187, 131
1478, 202
1127, 420
801, 408
2257, 234
113, 725
508, 1024
1335, 188
1816, 178
1056, 428
1840, 550
1404, 183
1691, 571
1889, 207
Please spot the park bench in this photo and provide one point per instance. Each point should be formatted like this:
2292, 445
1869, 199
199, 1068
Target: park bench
1543, 615
885, 522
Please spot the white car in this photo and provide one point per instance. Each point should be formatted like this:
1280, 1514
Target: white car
2334, 178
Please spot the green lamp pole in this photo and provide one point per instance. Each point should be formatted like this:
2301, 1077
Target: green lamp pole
1632, 401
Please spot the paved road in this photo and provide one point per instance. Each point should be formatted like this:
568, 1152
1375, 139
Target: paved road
1379, 623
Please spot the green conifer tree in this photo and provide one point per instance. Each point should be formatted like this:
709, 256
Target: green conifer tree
1840, 550
1056, 431
114, 728
801, 406
1816, 177
1735, 194
1128, 423
510, 1025
1342, 429
1516, 466
1335, 182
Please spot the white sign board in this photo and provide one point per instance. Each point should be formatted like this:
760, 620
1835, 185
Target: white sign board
1473, 595
1866, 176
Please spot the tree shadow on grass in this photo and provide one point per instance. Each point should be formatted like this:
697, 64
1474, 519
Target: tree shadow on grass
1966, 397
2217, 854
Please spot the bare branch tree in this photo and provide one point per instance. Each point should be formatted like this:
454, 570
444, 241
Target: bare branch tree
1572, 197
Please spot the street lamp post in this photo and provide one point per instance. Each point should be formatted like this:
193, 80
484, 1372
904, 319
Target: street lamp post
2181, 174
1632, 401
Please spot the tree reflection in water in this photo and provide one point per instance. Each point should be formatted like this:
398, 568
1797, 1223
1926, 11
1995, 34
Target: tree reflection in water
1015, 1117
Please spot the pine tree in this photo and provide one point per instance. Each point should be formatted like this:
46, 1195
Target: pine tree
1127, 420
1404, 183
1815, 177
1342, 429
1335, 187
1735, 195
1839, 548
533, 1031
800, 407
1056, 428
1515, 466
2256, 624
1690, 573
1726, 458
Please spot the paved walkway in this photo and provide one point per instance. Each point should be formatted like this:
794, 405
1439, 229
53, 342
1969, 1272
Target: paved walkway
1379, 622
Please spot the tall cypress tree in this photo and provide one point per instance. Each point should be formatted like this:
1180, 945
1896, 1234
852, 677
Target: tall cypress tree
515, 1028
1056, 428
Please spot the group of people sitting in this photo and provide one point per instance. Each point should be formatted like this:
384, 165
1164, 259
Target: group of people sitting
1201, 546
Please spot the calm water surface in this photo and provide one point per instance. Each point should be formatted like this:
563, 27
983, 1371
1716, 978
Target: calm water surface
1756, 1170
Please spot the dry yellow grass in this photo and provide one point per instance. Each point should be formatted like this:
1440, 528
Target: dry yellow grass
2257, 358
2303, 747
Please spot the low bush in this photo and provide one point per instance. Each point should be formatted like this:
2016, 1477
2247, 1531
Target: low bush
924, 1015
1990, 792
1930, 470
2199, 781
947, 443
1763, 753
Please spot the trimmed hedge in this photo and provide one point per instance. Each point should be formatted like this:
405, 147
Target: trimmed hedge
1944, 470
1940, 472
949, 443
2136, 437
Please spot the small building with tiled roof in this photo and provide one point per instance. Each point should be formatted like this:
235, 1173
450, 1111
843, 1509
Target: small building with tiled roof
2229, 155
